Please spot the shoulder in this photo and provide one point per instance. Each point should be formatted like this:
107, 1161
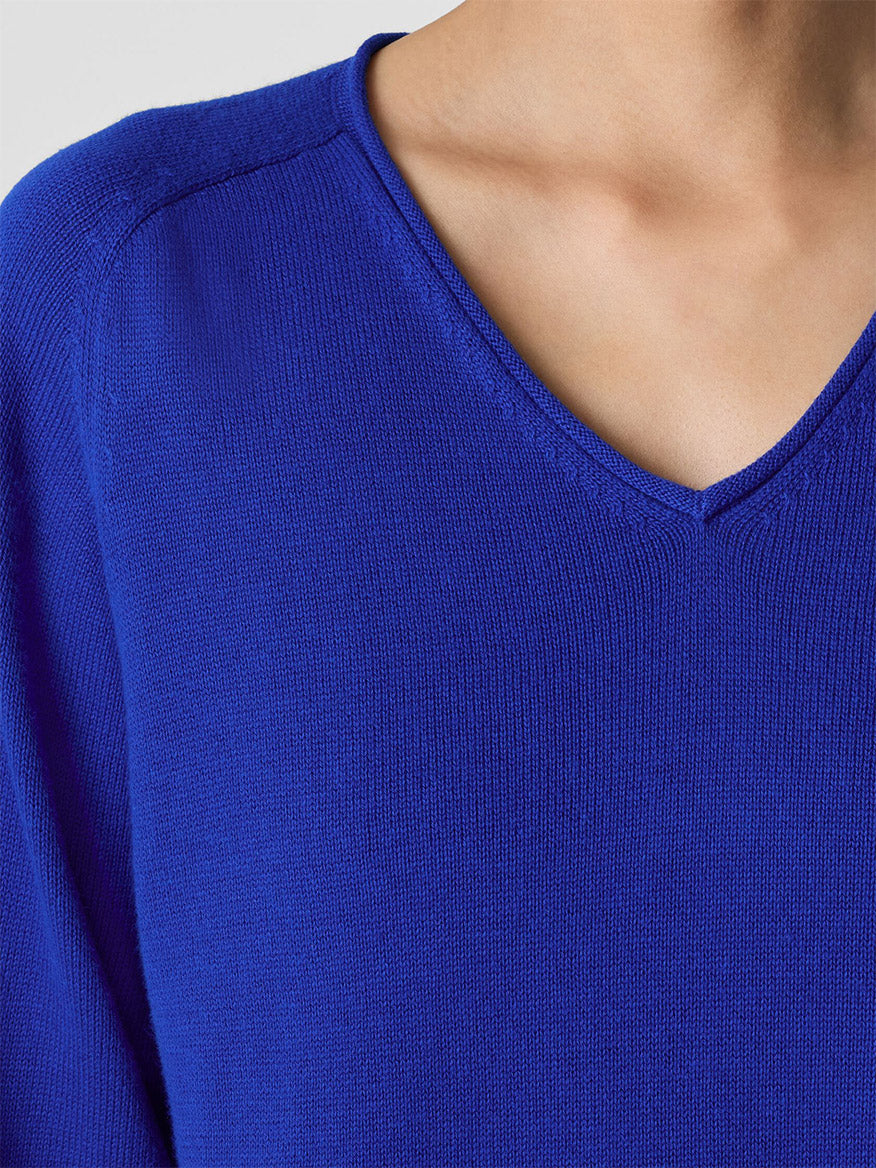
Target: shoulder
66, 223
81, 202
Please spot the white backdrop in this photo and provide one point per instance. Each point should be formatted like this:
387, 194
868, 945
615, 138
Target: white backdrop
70, 67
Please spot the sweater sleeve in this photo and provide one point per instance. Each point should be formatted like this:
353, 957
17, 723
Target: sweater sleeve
81, 1077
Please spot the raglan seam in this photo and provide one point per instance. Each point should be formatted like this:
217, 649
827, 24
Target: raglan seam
92, 299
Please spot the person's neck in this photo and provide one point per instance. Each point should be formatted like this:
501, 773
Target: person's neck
745, 91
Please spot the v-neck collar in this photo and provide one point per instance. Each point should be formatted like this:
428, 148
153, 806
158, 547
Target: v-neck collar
852, 383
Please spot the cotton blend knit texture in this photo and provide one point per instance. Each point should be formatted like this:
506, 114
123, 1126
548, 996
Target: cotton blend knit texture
394, 774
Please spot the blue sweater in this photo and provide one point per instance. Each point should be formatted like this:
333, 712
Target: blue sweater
395, 774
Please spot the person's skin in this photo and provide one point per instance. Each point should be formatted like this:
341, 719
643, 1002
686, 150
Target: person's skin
667, 206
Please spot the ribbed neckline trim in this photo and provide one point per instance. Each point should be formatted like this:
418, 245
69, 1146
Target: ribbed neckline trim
352, 107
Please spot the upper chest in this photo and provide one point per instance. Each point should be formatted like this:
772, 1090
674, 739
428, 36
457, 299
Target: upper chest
691, 345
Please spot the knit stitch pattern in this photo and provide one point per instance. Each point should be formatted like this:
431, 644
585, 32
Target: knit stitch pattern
394, 775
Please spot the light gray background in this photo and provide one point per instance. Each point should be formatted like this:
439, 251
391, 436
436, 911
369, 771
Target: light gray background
70, 67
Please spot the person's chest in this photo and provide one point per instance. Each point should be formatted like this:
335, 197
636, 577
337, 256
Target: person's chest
691, 344
470, 781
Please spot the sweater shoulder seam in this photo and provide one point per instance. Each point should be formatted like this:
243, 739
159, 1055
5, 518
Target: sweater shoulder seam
91, 298
177, 197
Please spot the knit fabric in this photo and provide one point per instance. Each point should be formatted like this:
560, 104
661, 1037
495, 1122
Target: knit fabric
395, 774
